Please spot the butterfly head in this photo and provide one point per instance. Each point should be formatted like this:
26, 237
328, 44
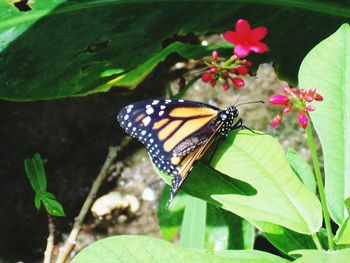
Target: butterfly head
228, 117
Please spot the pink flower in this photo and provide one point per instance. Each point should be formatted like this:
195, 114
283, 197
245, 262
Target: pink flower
246, 39
295, 98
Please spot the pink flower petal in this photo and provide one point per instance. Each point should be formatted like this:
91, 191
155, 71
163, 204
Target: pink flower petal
258, 47
258, 34
243, 27
232, 37
241, 51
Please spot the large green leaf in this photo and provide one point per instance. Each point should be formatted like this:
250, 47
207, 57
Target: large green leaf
58, 52
148, 249
327, 67
256, 162
319, 256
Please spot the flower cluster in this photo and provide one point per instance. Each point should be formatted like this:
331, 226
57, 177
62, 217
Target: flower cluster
297, 99
226, 72
245, 39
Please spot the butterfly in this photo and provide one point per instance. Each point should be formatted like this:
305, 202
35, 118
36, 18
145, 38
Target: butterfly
177, 132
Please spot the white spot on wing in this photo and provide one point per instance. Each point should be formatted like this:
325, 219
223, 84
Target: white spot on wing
149, 111
161, 113
146, 120
155, 102
126, 117
143, 132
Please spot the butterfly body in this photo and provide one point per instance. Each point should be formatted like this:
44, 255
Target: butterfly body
177, 132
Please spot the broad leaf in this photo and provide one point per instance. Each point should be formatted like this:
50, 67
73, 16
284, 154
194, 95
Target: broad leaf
52, 206
302, 169
148, 249
327, 67
319, 256
63, 52
259, 184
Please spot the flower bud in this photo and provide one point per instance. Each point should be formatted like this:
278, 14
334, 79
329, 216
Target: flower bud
279, 99
318, 97
310, 108
225, 75
226, 86
238, 82
213, 70
286, 89
215, 55
213, 83
242, 70
303, 119
206, 77
276, 121
309, 98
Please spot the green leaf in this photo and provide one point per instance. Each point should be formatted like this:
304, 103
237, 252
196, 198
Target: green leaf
302, 169
193, 224
52, 206
259, 184
347, 204
225, 230
149, 249
327, 67
66, 53
319, 256
284, 239
281, 198
343, 233
37, 200
170, 219
34, 168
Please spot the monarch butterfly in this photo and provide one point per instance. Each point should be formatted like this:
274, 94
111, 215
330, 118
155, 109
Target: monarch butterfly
177, 132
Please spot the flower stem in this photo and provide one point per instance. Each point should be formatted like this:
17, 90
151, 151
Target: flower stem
321, 191
316, 241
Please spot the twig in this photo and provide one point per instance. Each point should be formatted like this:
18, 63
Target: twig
68, 247
50, 240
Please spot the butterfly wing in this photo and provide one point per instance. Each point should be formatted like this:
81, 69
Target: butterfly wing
175, 132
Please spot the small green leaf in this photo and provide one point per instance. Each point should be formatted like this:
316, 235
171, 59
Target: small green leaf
37, 200
320, 256
149, 249
34, 168
327, 67
52, 206
193, 224
343, 234
302, 169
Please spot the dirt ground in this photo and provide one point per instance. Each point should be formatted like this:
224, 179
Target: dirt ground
72, 136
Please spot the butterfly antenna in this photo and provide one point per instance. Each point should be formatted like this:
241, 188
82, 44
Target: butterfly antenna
250, 102
234, 104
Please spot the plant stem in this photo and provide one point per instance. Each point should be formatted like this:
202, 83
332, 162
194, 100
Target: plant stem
321, 191
316, 241
69, 245
50, 240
